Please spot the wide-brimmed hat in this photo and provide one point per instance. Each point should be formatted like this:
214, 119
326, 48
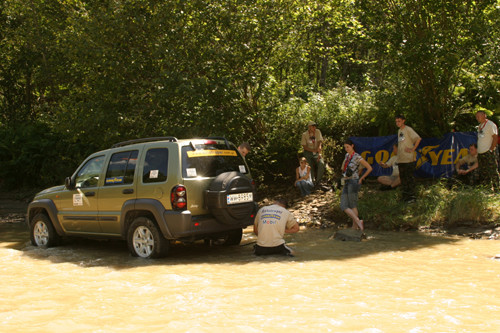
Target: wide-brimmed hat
311, 123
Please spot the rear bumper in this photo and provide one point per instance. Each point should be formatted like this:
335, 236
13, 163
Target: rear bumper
182, 225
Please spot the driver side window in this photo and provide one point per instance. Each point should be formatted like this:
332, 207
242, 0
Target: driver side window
88, 176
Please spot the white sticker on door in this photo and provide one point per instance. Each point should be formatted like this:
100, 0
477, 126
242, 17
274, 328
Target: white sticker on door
77, 199
191, 172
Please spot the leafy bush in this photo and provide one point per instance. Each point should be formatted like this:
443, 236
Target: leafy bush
339, 113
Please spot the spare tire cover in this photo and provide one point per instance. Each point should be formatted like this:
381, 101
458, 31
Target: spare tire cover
217, 201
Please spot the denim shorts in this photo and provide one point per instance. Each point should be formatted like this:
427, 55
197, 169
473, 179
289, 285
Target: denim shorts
349, 196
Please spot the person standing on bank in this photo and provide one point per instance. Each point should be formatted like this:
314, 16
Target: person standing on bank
271, 224
487, 140
408, 141
352, 181
303, 178
312, 142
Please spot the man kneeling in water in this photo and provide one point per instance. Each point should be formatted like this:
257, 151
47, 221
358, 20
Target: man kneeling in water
270, 225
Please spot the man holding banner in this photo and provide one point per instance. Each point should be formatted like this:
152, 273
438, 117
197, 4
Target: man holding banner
408, 141
487, 139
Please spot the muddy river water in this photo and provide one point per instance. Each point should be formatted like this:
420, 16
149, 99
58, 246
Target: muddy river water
391, 282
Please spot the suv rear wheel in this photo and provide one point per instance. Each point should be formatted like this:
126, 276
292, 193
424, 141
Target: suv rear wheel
42, 232
145, 240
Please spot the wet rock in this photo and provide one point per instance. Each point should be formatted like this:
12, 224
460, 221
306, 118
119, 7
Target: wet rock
476, 232
350, 235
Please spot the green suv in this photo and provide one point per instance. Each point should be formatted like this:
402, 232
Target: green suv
150, 192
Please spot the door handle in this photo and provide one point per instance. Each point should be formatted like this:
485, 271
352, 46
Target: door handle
89, 194
128, 191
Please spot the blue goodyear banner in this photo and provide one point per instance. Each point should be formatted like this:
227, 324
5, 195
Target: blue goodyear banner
436, 157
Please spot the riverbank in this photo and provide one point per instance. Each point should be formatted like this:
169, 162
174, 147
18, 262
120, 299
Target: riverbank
320, 210
316, 211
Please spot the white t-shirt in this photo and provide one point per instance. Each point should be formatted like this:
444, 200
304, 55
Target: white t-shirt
406, 139
353, 163
485, 134
271, 223
303, 173
393, 162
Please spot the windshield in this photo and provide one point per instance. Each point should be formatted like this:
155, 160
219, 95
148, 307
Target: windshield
207, 158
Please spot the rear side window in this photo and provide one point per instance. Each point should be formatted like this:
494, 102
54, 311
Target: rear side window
155, 166
209, 159
121, 168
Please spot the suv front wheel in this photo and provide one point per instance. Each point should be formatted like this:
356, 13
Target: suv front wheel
42, 232
145, 240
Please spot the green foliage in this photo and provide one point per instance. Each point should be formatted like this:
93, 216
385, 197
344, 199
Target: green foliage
92, 73
424, 47
436, 205
473, 204
31, 155
339, 113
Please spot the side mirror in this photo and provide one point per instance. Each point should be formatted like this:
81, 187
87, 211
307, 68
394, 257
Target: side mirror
69, 183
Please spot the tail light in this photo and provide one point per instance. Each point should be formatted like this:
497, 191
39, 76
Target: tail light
178, 197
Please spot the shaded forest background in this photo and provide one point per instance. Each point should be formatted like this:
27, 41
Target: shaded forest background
77, 76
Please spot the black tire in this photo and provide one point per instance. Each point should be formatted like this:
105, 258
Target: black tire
229, 238
234, 237
145, 240
42, 232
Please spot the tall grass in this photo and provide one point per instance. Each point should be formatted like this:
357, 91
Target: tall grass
436, 205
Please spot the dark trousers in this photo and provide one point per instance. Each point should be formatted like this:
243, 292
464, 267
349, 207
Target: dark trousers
317, 167
406, 171
280, 249
471, 179
488, 170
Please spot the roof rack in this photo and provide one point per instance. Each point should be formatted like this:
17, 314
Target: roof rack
131, 142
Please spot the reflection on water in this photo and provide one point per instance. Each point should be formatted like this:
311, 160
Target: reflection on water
393, 282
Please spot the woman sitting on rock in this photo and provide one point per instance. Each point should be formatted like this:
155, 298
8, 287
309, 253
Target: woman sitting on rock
303, 177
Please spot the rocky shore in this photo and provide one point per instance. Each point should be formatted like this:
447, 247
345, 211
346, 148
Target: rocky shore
314, 211
318, 211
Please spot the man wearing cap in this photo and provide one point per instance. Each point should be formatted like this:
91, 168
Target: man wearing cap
487, 139
312, 141
408, 141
